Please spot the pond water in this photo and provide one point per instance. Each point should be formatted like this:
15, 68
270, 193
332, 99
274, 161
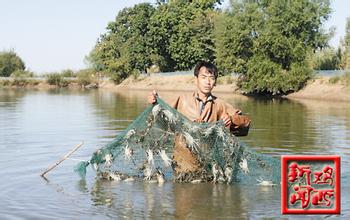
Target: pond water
38, 127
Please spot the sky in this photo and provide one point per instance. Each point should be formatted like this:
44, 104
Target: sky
53, 35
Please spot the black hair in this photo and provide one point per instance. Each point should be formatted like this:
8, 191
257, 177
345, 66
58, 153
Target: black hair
210, 67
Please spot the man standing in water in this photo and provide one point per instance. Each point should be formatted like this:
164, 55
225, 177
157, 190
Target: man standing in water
202, 106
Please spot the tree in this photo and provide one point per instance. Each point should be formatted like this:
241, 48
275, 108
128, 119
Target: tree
267, 42
9, 63
345, 47
174, 35
125, 47
182, 32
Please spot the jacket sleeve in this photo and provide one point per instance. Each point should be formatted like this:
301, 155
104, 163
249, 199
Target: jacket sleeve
240, 124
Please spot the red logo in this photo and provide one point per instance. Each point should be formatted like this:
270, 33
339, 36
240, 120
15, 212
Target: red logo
310, 184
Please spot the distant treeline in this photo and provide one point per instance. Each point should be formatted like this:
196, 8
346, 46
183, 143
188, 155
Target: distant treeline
273, 45
270, 43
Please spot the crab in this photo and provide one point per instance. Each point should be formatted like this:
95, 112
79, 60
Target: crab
156, 109
228, 173
220, 132
150, 158
209, 131
170, 116
117, 176
160, 176
263, 182
147, 171
244, 165
108, 158
130, 133
165, 158
128, 152
190, 142
218, 173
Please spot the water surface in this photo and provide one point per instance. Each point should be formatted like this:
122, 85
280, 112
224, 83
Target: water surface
38, 127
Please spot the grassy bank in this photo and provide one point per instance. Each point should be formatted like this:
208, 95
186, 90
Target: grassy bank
84, 78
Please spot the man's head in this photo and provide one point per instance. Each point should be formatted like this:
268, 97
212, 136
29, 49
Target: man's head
205, 77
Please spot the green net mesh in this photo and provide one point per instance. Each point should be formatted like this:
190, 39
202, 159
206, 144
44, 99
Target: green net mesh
151, 149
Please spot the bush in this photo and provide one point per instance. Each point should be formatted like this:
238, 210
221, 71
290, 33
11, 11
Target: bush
86, 77
5, 82
56, 79
334, 79
10, 62
67, 73
116, 78
22, 73
20, 82
327, 59
268, 78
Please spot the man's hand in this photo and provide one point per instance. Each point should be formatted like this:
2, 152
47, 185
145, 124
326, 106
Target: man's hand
227, 120
152, 98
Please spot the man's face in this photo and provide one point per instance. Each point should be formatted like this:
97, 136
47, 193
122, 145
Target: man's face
205, 81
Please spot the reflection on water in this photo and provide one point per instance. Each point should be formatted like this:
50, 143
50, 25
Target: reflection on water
38, 127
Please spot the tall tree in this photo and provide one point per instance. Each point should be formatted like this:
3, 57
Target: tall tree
126, 46
345, 57
173, 35
182, 32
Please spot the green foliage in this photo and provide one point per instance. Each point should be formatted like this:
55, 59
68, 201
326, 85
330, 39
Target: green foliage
22, 73
334, 79
266, 42
5, 82
182, 33
343, 79
346, 79
267, 77
56, 79
345, 48
173, 36
126, 45
116, 78
326, 59
67, 73
9, 63
86, 77
225, 80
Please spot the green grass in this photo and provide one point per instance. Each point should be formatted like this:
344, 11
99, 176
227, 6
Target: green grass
19, 82
334, 79
343, 79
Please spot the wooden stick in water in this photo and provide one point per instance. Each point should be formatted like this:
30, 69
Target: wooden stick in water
62, 159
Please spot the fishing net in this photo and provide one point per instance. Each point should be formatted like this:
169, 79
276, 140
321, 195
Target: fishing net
162, 144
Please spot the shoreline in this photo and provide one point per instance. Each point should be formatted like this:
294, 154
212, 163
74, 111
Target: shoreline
320, 88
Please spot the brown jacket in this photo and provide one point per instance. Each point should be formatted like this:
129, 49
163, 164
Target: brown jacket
190, 106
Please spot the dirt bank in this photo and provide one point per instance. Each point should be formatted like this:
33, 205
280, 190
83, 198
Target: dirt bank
170, 83
323, 89
320, 88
